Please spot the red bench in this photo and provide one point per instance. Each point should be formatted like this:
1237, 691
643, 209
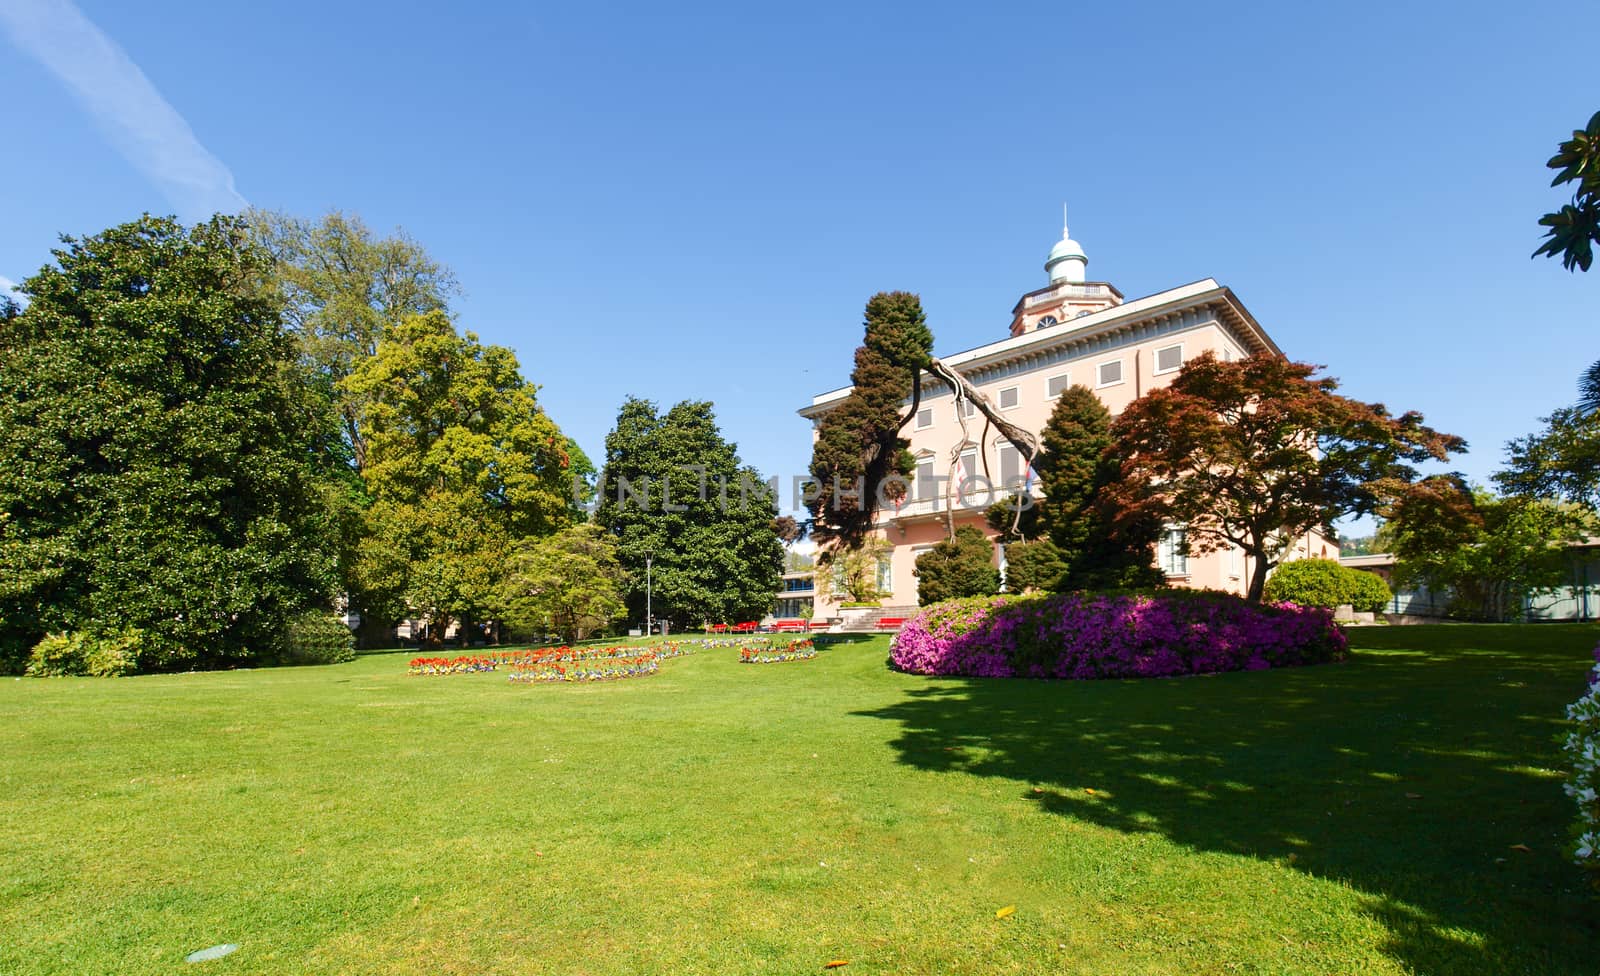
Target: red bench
717, 629
891, 623
748, 627
796, 624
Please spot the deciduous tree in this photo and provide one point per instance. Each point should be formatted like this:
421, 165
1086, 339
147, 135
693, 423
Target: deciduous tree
569, 583
342, 286
1562, 461
1258, 452
461, 462
1491, 554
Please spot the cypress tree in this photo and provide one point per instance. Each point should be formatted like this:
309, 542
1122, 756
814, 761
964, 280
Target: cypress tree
858, 443
1075, 469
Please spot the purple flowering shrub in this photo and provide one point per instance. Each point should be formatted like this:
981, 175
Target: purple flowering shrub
1086, 635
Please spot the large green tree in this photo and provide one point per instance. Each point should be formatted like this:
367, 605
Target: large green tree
1562, 461
154, 441
673, 490
342, 287
1078, 473
1257, 452
1492, 555
461, 463
569, 583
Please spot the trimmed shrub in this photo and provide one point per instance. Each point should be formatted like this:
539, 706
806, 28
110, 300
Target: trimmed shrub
1368, 591
1080, 635
963, 566
97, 655
318, 638
1325, 583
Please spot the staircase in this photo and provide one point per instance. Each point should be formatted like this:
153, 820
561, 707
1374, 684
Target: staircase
867, 623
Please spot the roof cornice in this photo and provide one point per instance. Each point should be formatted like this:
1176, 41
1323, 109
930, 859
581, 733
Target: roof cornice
1142, 313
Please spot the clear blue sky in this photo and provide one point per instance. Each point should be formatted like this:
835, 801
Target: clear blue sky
696, 200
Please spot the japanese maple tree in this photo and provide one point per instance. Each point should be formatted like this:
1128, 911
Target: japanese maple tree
1257, 452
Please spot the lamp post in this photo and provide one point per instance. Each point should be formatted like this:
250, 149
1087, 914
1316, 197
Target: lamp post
649, 613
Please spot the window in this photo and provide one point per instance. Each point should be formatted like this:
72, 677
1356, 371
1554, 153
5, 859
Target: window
1174, 552
1045, 322
1169, 359
1008, 398
1057, 385
1111, 373
1010, 468
885, 575
927, 488
966, 408
924, 418
969, 463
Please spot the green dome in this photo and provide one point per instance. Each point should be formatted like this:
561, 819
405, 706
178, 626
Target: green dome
1065, 248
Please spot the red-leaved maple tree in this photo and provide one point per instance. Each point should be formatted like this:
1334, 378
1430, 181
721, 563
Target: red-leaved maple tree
1258, 452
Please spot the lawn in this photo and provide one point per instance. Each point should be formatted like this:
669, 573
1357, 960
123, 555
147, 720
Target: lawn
721, 818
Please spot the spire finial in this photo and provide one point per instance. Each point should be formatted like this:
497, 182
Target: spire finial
1064, 234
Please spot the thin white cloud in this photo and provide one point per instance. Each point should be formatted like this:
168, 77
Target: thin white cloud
6, 284
142, 125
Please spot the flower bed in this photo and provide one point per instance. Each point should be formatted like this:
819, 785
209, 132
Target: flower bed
799, 650
1080, 635
551, 663
610, 669
1583, 782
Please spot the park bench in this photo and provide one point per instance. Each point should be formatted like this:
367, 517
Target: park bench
891, 623
748, 627
717, 629
786, 625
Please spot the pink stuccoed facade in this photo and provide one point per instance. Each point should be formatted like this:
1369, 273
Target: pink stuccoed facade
1071, 332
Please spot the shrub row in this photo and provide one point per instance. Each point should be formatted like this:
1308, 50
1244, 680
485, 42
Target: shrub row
314, 638
1077, 635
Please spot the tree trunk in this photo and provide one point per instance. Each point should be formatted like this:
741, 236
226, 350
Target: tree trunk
1258, 579
1021, 439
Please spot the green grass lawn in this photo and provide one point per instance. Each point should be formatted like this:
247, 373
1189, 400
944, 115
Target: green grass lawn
721, 818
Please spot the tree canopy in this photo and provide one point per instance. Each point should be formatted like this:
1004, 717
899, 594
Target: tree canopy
1490, 554
342, 287
1257, 452
461, 463
674, 491
1078, 473
858, 446
569, 583
154, 441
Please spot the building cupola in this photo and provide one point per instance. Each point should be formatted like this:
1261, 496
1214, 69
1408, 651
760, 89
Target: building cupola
1066, 262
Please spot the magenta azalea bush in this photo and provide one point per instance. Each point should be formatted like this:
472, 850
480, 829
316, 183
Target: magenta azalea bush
1085, 635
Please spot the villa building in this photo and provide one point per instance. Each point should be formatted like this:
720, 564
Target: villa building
1070, 332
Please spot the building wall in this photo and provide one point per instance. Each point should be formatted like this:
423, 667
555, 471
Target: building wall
920, 522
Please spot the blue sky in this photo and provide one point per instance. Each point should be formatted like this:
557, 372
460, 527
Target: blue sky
697, 200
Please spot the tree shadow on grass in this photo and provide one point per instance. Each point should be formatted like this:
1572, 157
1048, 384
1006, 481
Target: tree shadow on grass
1409, 773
